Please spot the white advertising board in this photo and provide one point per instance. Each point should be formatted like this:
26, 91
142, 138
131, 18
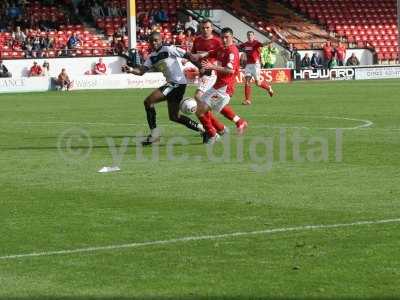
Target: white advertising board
378, 73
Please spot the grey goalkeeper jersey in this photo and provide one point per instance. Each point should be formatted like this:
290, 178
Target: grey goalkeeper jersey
165, 60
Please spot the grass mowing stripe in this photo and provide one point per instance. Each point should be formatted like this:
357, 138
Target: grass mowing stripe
200, 238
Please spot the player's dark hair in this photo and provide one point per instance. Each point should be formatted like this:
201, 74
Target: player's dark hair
206, 21
227, 30
155, 34
248, 32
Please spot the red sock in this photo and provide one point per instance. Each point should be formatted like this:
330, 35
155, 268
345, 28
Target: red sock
215, 122
247, 92
264, 85
206, 121
228, 113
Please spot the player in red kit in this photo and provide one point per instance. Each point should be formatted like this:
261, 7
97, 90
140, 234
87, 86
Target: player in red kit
100, 68
252, 50
203, 44
218, 96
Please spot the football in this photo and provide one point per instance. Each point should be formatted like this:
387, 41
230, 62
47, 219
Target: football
188, 106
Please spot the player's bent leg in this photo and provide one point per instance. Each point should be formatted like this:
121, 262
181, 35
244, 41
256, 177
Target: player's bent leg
204, 118
240, 123
266, 86
175, 116
155, 97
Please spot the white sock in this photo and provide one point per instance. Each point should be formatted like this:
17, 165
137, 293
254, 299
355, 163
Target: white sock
155, 133
236, 119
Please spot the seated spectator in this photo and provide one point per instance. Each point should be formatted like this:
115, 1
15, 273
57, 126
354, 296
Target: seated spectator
191, 23
63, 82
316, 61
353, 60
117, 46
27, 47
100, 68
35, 70
333, 63
37, 47
3, 70
46, 69
74, 41
19, 35
306, 62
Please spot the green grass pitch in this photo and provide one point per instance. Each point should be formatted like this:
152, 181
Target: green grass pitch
53, 199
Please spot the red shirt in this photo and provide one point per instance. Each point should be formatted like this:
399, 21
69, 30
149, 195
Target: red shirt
101, 68
35, 70
228, 57
201, 44
327, 52
252, 50
341, 53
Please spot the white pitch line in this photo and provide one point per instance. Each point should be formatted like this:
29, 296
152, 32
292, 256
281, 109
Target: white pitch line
197, 238
366, 124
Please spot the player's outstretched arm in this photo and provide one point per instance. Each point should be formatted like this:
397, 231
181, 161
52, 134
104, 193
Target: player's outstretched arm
209, 66
135, 71
196, 57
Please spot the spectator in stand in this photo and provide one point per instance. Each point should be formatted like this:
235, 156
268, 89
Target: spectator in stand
192, 23
333, 63
306, 62
297, 59
74, 41
160, 16
328, 53
121, 32
316, 61
19, 35
63, 82
341, 54
27, 48
47, 43
100, 68
35, 70
3, 70
13, 11
117, 46
353, 60
37, 47
288, 55
268, 56
46, 69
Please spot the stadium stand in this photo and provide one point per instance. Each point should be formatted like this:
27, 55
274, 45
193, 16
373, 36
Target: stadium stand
45, 30
280, 23
362, 23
